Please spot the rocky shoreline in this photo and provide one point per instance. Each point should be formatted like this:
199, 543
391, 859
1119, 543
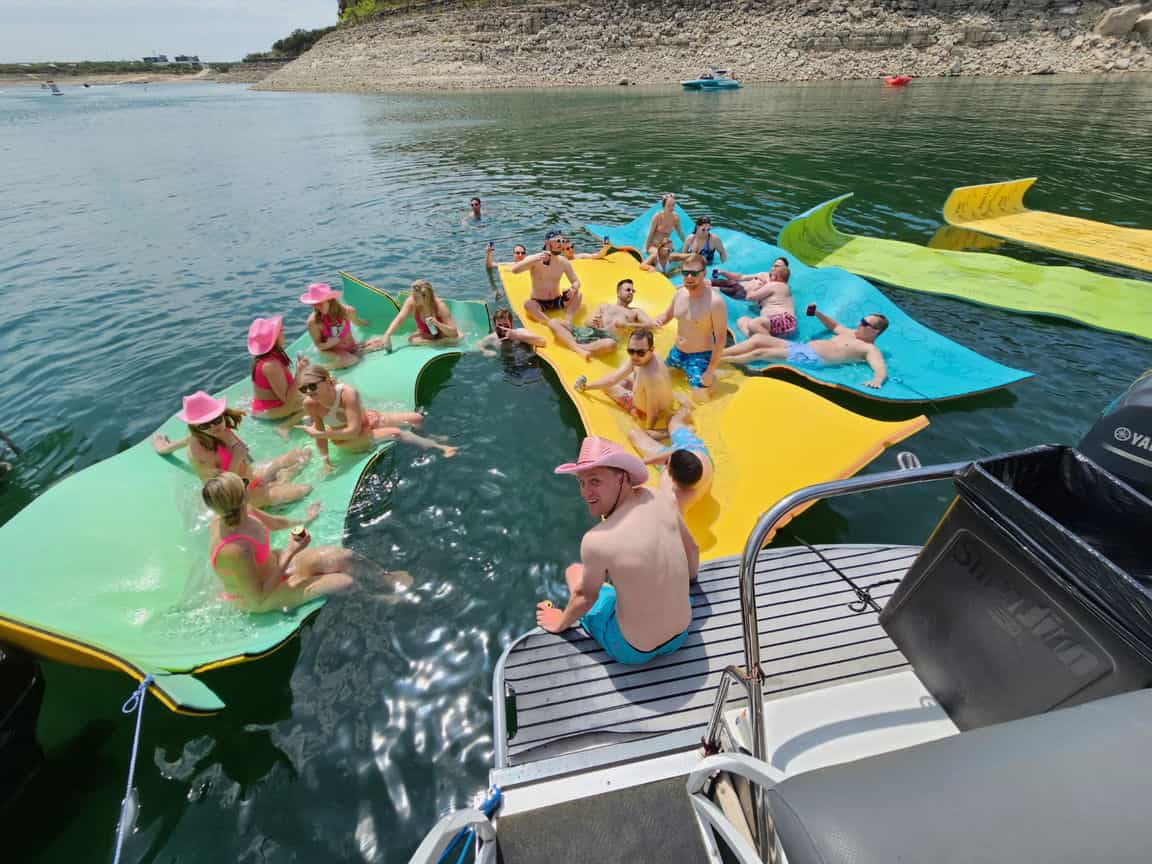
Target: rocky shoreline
506, 43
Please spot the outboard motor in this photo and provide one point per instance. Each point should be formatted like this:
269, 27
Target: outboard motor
1121, 440
21, 691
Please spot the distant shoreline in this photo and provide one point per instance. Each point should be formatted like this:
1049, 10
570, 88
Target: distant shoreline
107, 79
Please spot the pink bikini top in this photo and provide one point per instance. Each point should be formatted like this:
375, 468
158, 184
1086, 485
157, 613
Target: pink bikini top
330, 328
262, 549
224, 454
261, 380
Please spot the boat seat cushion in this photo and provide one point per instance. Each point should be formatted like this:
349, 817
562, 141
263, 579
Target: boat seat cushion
1068, 786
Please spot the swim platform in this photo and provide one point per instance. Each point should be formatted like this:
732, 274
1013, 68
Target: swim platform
109, 567
998, 209
766, 437
1070, 293
923, 365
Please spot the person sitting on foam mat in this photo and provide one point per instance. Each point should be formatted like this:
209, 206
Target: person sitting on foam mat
663, 224
688, 469
640, 543
546, 268
847, 345
641, 386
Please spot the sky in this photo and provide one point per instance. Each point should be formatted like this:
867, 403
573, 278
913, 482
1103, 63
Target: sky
33, 30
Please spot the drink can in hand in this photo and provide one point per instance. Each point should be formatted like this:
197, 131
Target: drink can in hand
811, 310
299, 533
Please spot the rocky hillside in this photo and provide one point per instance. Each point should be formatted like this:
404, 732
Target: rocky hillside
504, 43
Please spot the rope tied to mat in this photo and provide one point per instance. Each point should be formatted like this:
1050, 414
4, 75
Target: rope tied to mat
133, 704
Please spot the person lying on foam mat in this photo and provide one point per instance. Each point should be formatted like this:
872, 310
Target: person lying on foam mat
847, 345
641, 386
736, 285
640, 541
688, 469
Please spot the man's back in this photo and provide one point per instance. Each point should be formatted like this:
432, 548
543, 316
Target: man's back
642, 550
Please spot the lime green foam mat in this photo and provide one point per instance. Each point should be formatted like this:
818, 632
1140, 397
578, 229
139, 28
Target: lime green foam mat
1072, 293
109, 567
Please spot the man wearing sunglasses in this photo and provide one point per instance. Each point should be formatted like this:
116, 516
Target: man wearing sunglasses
641, 386
518, 254
701, 325
546, 269
847, 345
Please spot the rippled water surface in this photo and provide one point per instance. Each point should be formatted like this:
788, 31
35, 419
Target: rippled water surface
144, 227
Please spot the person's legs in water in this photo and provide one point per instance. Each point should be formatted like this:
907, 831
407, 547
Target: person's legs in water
385, 433
757, 346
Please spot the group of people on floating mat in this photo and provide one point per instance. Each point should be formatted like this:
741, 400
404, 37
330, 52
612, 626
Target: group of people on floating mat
641, 538
309, 399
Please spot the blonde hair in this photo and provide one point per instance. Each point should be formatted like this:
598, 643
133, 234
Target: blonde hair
311, 373
226, 495
423, 298
232, 418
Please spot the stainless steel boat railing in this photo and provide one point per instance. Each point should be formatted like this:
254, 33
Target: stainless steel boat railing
752, 676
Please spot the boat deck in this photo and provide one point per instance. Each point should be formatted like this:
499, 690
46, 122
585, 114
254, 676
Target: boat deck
566, 702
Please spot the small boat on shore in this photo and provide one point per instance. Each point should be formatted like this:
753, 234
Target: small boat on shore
897, 80
713, 79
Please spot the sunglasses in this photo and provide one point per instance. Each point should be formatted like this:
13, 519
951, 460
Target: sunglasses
308, 388
864, 322
638, 352
519, 252
204, 427
692, 272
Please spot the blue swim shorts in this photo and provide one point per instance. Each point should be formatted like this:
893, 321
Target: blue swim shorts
802, 354
600, 623
694, 364
683, 438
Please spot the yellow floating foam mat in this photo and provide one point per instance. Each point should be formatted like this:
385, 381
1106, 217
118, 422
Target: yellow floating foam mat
998, 209
767, 437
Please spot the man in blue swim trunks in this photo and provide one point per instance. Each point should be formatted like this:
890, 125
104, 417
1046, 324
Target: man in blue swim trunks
630, 589
847, 345
688, 469
701, 325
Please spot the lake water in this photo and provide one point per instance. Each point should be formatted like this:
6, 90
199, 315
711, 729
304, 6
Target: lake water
144, 227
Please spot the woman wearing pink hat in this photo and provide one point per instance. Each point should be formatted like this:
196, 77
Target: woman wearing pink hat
434, 322
213, 446
330, 326
338, 417
274, 395
259, 578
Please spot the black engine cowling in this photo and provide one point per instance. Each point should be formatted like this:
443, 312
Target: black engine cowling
1121, 440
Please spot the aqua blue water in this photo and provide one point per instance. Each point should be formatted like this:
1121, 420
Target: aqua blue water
143, 228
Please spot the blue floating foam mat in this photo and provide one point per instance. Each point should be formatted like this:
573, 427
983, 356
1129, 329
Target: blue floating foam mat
922, 364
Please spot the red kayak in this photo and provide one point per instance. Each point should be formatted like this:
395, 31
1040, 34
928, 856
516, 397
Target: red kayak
897, 80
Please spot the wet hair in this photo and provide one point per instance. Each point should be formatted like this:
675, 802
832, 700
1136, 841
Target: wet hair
685, 468
312, 373
782, 260
226, 495
624, 282
644, 335
232, 418
695, 261
703, 220
423, 298
502, 315
520, 247
882, 323
473, 200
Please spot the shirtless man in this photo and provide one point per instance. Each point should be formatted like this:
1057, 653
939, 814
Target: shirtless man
688, 469
663, 224
701, 324
777, 310
845, 346
603, 328
621, 314
642, 545
546, 268
641, 386
736, 285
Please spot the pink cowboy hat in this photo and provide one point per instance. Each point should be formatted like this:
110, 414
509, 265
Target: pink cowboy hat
200, 408
318, 292
263, 333
597, 452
